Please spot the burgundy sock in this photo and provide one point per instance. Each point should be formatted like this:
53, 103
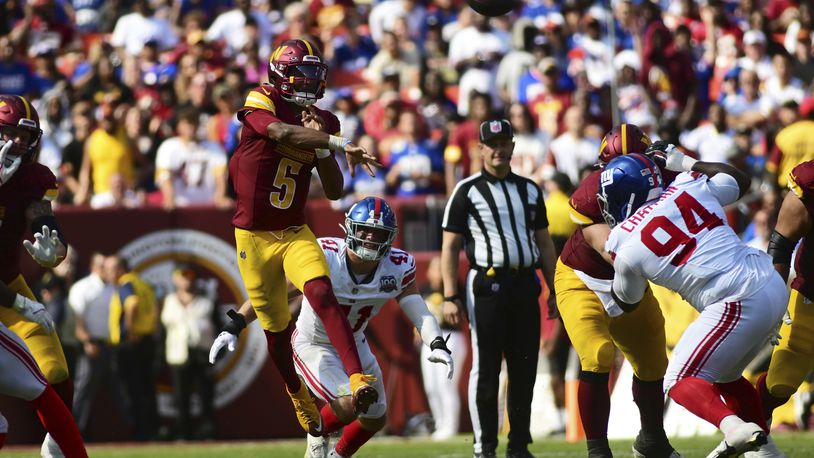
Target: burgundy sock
64, 390
2, 440
594, 404
57, 420
768, 401
649, 397
743, 399
320, 295
701, 398
330, 422
279, 346
353, 438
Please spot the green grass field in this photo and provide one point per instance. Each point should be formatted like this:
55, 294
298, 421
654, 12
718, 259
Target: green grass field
796, 445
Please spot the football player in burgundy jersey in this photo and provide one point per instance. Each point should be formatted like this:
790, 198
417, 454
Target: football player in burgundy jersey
284, 138
793, 358
26, 191
582, 280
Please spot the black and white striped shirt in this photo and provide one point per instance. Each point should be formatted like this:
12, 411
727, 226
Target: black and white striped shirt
498, 219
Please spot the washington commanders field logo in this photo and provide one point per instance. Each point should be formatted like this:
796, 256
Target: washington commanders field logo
156, 254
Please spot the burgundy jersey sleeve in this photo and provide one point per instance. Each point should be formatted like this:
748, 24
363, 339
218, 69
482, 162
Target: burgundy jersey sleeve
801, 183
584, 208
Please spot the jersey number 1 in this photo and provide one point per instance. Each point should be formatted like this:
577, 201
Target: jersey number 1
286, 183
689, 208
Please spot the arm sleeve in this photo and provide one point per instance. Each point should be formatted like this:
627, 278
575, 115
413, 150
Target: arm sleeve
628, 284
416, 310
259, 120
455, 215
724, 187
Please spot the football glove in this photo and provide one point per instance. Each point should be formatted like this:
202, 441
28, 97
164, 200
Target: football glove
441, 354
7, 170
658, 151
33, 311
228, 337
44, 248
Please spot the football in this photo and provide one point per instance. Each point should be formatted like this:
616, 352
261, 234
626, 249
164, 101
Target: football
492, 8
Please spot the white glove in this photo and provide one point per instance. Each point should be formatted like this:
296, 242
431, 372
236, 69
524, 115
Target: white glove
33, 311
44, 248
224, 339
441, 356
678, 161
7, 171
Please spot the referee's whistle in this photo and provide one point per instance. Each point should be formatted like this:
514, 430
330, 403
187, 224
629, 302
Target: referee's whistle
491, 272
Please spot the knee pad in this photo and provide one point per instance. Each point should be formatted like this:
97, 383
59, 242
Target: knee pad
605, 354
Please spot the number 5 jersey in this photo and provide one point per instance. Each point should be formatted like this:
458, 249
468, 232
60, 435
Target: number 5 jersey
682, 242
360, 298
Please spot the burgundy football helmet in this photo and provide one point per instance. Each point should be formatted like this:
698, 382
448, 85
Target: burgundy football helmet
298, 70
19, 123
622, 139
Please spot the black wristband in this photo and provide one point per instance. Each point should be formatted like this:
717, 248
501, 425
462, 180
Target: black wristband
780, 248
237, 324
439, 343
452, 298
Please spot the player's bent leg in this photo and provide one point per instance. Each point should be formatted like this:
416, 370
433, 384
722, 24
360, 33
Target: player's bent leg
57, 420
356, 435
792, 359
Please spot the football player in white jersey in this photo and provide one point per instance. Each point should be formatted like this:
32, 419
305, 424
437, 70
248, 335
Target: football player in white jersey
366, 272
678, 238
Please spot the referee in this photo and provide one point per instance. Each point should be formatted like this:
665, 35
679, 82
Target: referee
501, 219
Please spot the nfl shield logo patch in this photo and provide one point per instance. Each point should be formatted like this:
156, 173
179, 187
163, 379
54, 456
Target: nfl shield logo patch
495, 127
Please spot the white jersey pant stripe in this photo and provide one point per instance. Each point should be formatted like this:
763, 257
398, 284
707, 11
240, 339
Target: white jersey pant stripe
721, 342
727, 321
20, 376
313, 380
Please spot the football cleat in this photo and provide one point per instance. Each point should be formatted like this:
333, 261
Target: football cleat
317, 447
364, 395
649, 447
769, 450
746, 437
50, 448
307, 412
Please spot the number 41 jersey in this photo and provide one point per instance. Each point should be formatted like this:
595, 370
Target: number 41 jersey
682, 242
360, 299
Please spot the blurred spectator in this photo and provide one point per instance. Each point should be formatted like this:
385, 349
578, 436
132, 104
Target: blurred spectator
442, 394
762, 230
15, 76
220, 125
107, 153
133, 321
519, 60
461, 156
297, 20
416, 164
744, 106
548, 102
713, 141
572, 150
140, 27
635, 105
393, 58
794, 144
530, 145
384, 15
230, 28
83, 124
89, 298
803, 67
781, 87
187, 318
755, 58
435, 107
352, 51
45, 26
190, 171
118, 195
558, 189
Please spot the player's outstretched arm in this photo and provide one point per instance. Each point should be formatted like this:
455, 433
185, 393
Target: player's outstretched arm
793, 223
416, 310
231, 330
49, 247
31, 310
673, 159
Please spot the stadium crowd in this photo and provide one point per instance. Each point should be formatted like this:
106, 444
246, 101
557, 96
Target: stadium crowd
138, 99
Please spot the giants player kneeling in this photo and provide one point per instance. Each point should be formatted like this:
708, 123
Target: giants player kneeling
677, 238
366, 272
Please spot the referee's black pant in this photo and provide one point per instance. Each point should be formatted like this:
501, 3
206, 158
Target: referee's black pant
504, 319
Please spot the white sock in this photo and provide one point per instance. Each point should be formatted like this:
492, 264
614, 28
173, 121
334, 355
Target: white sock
729, 423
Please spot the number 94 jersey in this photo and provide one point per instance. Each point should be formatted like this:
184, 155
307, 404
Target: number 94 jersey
360, 299
682, 242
